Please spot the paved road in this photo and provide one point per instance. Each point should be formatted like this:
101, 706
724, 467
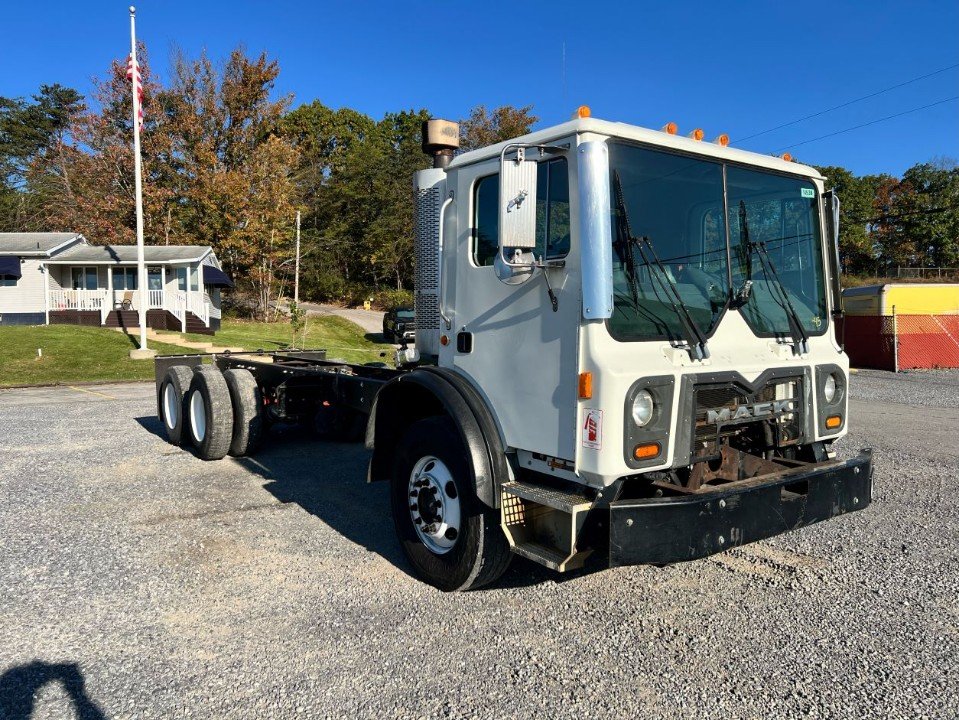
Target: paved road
369, 320
138, 581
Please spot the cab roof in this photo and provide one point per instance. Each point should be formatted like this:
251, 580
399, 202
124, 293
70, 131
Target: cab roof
659, 138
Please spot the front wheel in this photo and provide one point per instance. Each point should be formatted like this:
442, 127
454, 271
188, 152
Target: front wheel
450, 538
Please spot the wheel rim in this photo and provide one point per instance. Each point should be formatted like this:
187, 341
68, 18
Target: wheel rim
171, 408
434, 504
197, 417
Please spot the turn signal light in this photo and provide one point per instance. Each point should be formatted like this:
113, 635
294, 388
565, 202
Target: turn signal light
670, 128
722, 140
585, 385
647, 451
833, 421
697, 134
444, 340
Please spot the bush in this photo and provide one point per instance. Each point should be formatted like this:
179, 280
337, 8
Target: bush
389, 299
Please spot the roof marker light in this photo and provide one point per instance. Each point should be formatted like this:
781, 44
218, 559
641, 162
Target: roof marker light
787, 157
722, 139
582, 111
670, 128
697, 134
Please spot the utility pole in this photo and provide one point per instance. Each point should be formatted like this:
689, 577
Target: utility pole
296, 274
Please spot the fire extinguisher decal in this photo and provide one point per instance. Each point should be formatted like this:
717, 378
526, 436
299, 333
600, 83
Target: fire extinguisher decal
593, 429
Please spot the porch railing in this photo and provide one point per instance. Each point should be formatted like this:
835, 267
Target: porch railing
177, 302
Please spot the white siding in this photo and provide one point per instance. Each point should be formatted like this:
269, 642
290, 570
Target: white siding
26, 296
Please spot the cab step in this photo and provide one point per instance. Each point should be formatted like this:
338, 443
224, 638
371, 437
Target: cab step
543, 523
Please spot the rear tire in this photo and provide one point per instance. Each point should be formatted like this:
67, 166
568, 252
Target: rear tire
209, 413
247, 402
172, 394
451, 539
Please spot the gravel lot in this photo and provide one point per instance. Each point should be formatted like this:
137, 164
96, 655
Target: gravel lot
138, 581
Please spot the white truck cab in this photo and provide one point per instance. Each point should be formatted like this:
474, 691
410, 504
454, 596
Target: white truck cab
625, 353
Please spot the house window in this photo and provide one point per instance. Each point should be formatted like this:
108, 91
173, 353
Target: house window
154, 278
552, 214
125, 278
83, 278
181, 275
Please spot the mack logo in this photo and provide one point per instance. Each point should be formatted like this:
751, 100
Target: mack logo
758, 410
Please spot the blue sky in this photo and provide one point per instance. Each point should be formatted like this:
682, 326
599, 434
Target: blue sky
738, 68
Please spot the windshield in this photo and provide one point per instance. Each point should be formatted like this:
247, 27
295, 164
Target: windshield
677, 202
404, 315
782, 213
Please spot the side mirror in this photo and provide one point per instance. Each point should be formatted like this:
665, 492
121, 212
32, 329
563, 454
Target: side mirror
517, 201
831, 207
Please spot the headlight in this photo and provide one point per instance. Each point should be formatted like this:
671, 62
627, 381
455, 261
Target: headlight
829, 388
642, 408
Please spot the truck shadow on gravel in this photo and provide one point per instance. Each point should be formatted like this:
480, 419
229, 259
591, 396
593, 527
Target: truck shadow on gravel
20, 684
328, 480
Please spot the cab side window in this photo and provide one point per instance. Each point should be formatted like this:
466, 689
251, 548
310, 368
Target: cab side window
552, 214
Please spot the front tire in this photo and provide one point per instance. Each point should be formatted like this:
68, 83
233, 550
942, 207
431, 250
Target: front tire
451, 539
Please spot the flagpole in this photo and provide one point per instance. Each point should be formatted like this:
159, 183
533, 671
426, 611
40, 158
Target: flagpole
138, 185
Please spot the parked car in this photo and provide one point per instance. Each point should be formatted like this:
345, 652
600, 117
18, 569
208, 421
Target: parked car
399, 324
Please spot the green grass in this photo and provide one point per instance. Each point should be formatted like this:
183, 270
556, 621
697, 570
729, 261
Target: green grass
341, 338
71, 354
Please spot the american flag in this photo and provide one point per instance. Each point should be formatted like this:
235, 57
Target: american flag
133, 74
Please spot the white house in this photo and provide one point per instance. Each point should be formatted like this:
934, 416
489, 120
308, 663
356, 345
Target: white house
49, 278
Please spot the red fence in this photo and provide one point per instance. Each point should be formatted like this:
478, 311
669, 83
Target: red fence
902, 342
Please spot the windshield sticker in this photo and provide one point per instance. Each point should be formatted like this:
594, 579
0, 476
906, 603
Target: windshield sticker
593, 429
808, 192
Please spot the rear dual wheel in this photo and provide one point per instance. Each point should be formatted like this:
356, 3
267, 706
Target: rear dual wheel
218, 413
451, 539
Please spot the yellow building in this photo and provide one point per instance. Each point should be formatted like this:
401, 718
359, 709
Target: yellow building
906, 298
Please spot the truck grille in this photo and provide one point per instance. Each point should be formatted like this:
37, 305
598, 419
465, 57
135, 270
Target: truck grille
731, 398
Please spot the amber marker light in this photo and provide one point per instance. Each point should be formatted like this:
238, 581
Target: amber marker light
585, 385
444, 340
646, 451
697, 134
583, 111
722, 140
670, 128
787, 157
833, 421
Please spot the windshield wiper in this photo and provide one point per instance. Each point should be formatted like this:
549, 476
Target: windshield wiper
695, 339
800, 338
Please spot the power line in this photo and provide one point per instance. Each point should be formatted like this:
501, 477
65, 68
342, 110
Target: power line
846, 104
872, 122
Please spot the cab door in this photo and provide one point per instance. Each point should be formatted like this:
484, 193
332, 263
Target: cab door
507, 339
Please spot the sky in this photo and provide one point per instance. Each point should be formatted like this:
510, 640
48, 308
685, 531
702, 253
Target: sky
734, 67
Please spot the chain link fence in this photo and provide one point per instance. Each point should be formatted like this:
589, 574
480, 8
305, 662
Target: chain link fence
901, 342
939, 273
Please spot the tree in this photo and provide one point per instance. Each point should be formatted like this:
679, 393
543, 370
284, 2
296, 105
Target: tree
32, 133
484, 127
856, 195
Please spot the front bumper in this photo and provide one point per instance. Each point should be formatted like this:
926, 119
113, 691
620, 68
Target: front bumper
672, 529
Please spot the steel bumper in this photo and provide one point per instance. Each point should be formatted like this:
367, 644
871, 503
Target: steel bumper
672, 529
